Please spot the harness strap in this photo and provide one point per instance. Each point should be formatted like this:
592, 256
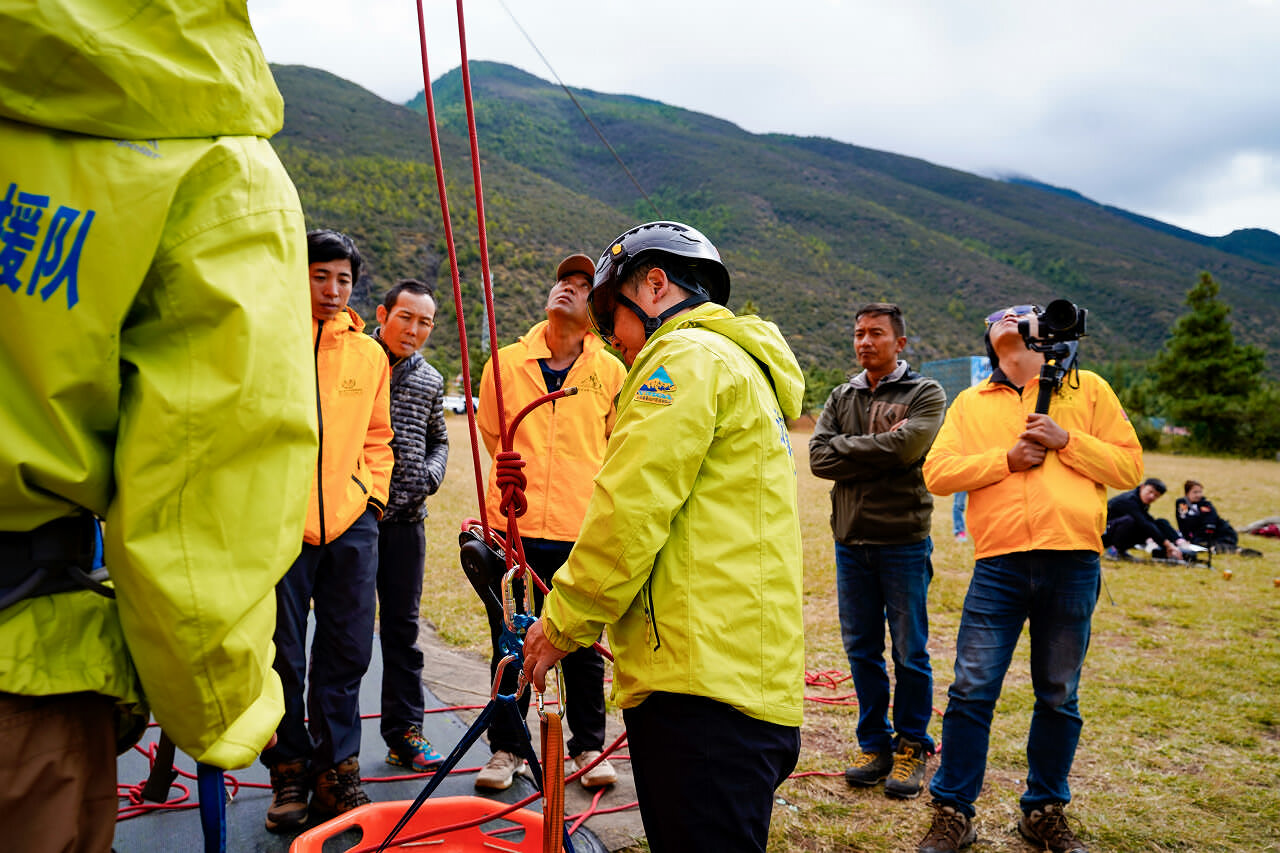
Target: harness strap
58, 556
553, 783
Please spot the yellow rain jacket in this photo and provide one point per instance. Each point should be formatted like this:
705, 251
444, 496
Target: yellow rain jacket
690, 553
561, 442
355, 427
155, 360
1058, 505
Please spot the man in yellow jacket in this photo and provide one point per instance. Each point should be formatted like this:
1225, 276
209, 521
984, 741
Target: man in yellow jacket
562, 444
156, 374
319, 737
1037, 508
690, 552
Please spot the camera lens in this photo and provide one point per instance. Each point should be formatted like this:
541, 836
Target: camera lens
1059, 315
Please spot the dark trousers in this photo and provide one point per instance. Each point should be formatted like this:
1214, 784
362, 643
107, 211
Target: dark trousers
583, 670
705, 772
402, 551
340, 578
1125, 532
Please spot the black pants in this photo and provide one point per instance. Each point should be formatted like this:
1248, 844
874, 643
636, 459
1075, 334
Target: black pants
402, 550
1124, 533
340, 578
705, 773
583, 670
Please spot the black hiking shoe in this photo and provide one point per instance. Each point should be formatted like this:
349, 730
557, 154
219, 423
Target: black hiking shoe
869, 768
907, 777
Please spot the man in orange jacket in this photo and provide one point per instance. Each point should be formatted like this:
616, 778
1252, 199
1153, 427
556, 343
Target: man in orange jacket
319, 738
562, 444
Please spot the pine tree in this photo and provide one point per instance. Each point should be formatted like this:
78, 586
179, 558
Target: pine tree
1203, 375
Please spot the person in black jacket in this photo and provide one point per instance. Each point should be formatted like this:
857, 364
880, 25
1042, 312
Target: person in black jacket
1200, 523
1129, 521
421, 447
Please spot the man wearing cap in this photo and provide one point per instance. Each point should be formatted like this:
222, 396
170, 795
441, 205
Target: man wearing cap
690, 552
562, 444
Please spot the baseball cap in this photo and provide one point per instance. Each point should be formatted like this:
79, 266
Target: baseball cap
576, 263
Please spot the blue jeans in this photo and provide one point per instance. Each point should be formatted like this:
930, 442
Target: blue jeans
958, 503
875, 584
1055, 591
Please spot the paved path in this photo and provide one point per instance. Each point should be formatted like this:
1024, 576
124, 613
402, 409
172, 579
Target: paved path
453, 678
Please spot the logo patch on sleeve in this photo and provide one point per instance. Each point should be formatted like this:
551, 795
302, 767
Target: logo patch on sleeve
658, 388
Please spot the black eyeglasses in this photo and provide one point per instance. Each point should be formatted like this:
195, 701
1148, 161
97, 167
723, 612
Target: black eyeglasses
1016, 310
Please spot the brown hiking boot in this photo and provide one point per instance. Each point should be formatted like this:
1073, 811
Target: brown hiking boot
949, 831
1048, 828
338, 790
907, 777
289, 789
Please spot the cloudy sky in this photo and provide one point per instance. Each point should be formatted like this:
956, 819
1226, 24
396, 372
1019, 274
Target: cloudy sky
1169, 108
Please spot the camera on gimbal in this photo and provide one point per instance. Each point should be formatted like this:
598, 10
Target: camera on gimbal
1059, 323
1055, 332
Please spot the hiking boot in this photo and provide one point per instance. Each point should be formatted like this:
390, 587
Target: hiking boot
949, 831
289, 789
600, 775
498, 773
1048, 828
413, 751
338, 790
1248, 552
906, 779
869, 768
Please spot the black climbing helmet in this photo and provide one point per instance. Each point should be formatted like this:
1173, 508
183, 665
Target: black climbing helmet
684, 253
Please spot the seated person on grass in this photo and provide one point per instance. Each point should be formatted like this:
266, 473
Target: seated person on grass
1129, 522
1200, 523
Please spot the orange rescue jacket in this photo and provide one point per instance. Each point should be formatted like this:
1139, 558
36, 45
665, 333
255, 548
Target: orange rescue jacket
561, 442
1058, 505
353, 389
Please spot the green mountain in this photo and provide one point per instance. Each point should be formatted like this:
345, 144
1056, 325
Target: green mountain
810, 228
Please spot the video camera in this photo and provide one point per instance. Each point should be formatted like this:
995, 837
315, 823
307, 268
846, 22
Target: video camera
1061, 322
1055, 332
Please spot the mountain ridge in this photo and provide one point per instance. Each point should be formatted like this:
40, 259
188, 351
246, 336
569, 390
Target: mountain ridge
809, 227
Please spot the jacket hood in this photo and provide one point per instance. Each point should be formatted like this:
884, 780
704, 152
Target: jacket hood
763, 341
158, 69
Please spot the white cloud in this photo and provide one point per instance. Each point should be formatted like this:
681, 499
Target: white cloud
1135, 103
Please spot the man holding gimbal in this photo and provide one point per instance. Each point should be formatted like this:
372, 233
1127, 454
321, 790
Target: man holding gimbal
1037, 507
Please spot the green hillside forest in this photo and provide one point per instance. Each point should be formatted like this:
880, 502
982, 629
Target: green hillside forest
810, 228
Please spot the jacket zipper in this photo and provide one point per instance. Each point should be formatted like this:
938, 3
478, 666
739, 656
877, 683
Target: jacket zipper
320, 423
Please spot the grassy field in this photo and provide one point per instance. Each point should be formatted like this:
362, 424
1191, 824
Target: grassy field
1181, 691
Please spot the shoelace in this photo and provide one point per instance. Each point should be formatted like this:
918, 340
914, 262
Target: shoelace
350, 794
290, 788
1053, 829
904, 766
865, 759
948, 825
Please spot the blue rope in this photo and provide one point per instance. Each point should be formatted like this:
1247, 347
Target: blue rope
213, 807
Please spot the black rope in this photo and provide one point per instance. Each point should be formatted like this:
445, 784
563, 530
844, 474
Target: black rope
599, 133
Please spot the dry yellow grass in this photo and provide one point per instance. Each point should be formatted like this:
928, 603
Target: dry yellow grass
1181, 692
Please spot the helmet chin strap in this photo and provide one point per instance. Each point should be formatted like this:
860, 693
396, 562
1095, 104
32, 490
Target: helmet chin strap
651, 324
